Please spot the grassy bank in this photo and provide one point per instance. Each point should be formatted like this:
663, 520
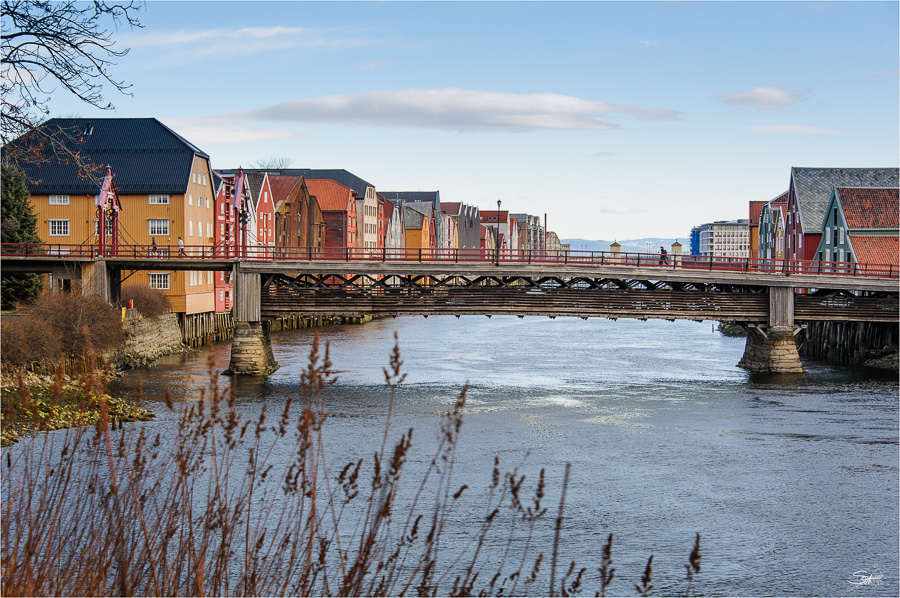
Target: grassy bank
30, 403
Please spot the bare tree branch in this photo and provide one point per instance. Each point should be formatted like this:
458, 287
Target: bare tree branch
48, 46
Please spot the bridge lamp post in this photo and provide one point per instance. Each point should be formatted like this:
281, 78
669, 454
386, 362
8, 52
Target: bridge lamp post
498, 232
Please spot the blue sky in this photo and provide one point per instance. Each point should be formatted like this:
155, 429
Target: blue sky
617, 120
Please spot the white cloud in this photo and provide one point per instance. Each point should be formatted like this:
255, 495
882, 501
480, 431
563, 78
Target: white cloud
199, 134
648, 42
793, 129
375, 65
230, 42
764, 98
453, 109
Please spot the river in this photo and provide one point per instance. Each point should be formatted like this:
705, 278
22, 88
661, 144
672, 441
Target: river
792, 481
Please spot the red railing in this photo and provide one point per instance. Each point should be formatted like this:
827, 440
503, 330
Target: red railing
505, 256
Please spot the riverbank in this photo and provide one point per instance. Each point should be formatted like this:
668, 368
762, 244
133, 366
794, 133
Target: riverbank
54, 402
33, 403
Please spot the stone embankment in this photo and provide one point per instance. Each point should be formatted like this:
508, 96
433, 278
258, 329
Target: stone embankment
148, 339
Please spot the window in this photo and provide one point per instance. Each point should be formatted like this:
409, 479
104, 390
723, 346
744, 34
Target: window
190, 228
194, 177
842, 235
59, 228
109, 227
207, 202
190, 200
193, 277
158, 199
159, 281
209, 277
159, 227
59, 200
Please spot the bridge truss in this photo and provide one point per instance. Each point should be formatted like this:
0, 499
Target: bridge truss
553, 295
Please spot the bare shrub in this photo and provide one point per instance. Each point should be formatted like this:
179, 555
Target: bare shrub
150, 302
77, 318
210, 511
60, 326
29, 341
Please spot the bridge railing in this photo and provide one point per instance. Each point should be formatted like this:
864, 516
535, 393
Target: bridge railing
445, 255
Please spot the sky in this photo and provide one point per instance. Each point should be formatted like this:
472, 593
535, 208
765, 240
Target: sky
618, 120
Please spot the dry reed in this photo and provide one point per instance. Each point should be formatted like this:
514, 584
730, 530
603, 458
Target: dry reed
212, 511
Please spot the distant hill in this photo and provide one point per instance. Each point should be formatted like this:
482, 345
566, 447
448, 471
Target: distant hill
628, 245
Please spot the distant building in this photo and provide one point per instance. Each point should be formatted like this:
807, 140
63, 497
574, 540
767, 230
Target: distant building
755, 209
416, 199
531, 233
770, 235
468, 224
725, 238
695, 241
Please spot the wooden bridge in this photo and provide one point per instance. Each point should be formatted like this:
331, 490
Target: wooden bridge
772, 298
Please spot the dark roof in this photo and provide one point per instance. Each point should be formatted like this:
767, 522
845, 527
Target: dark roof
813, 186
339, 175
254, 185
432, 197
146, 157
412, 217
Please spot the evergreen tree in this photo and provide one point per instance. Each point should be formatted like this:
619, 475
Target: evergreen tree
18, 224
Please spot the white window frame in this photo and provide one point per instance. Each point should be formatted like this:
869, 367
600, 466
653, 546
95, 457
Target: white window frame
55, 227
58, 200
193, 278
159, 280
190, 199
841, 233
158, 199
160, 231
109, 227
190, 228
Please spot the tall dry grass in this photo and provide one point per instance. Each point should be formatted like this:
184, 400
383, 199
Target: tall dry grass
217, 509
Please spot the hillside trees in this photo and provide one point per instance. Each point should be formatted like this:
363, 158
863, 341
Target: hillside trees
18, 224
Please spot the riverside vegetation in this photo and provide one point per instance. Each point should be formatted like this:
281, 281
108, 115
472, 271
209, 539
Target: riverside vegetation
47, 344
119, 510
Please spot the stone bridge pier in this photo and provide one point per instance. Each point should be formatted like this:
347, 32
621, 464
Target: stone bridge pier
773, 348
251, 347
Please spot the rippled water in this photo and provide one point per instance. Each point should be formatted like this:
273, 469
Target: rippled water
792, 482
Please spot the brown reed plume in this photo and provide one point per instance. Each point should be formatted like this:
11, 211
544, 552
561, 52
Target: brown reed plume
215, 503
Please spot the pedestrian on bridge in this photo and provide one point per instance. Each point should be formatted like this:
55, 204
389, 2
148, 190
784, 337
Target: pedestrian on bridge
663, 256
180, 246
153, 247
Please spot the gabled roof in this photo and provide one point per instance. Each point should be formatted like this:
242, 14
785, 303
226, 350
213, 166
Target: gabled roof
348, 179
780, 201
451, 207
870, 208
812, 188
875, 250
413, 218
282, 186
253, 184
146, 157
331, 195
